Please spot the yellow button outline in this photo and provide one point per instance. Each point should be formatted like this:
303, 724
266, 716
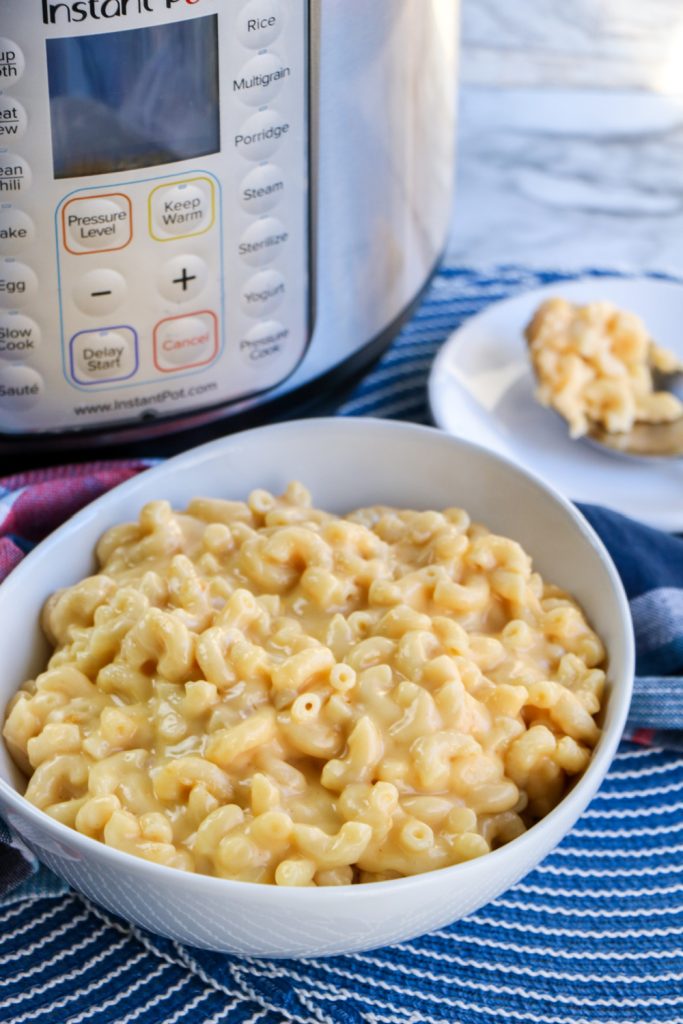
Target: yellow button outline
174, 184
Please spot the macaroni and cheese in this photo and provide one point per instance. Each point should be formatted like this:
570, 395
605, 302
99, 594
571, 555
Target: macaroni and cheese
594, 364
267, 692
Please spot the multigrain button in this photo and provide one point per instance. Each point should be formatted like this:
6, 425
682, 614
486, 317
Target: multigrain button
263, 242
97, 223
262, 189
100, 291
13, 119
181, 210
260, 79
261, 135
263, 293
20, 388
11, 63
15, 175
19, 337
18, 284
185, 342
17, 230
259, 23
183, 278
99, 357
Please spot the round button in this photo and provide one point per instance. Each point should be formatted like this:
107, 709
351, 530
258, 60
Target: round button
12, 62
101, 356
263, 241
264, 343
260, 79
15, 175
17, 230
183, 278
100, 292
18, 284
259, 23
263, 293
184, 209
13, 119
185, 342
261, 135
97, 224
19, 336
262, 189
20, 388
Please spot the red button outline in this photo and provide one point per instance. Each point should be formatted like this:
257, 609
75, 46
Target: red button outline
188, 366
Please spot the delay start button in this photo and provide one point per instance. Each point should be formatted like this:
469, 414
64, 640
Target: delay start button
101, 357
185, 342
20, 388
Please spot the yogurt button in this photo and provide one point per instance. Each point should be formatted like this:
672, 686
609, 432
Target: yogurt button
18, 284
263, 293
263, 241
15, 175
184, 342
261, 135
12, 62
19, 336
20, 388
13, 119
17, 230
259, 23
102, 356
100, 292
264, 343
260, 79
262, 189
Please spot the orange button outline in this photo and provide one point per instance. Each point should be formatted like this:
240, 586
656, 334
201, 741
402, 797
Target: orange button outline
101, 195
186, 316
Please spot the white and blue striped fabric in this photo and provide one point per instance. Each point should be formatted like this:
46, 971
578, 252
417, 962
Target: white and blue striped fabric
593, 936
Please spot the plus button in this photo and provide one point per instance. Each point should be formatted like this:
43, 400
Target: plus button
185, 279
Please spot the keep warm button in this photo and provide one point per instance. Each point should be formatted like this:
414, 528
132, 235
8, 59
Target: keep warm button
102, 357
185, 342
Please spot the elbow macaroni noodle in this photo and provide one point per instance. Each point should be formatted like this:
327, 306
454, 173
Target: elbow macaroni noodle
266, 692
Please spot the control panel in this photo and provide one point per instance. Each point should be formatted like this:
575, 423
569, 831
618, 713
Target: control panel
154, 207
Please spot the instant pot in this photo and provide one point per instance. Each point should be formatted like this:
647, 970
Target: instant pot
209, 207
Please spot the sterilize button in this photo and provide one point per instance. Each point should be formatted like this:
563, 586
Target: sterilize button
184, 342
186, 208
100, 292
17, 230
263, 293
260, 79
11, 63
15, 175
20, 388
263, 241
13, 119
18, 284
97, 223
183, 278
259, 23
19, 337
261, 135
262, 189
100, 357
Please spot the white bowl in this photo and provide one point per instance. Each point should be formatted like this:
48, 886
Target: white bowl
346, 463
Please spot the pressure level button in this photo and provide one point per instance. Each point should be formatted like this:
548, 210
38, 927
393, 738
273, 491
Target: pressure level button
259, 23
97, 224
19, 337
20, 388
12, 63
13, 119
18, 284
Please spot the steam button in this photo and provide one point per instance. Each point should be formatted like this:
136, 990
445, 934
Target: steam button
11, 62
13, 119
18, 284
263, 293
17, 230
100, 292
15, 175
262, 189
20, 388
259, 23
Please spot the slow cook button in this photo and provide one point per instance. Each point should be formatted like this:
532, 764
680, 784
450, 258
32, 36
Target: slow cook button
260, 79
259, 23
99, 357
261, 135
262, 189
11, 62
17, 230
15, 175
100, 292
97, 224
19, 336
13, 119
20, 388
18, 284
264, 343
263, 293
181, 343
263, 241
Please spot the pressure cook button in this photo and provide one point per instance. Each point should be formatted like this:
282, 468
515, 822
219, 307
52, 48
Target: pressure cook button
15, 175
183, 278
97, 223
100, 292
17, 230
263, 293
13, 119
18, 284
186, 208
259, 23
261, 135
263, 241
262, 189
100, 357
20, 388
264, 343
260, 79
11, 62
19, 337
185, 342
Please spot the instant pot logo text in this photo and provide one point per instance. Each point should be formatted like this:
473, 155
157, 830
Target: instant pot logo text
56, 12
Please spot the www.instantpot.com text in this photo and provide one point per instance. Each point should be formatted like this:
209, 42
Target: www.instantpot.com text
144, 401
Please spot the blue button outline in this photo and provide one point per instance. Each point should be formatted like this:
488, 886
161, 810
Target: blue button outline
108, 380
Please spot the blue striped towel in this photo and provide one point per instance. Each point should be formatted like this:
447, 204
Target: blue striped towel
593, 936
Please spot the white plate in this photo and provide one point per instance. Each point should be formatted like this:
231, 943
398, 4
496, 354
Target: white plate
482, 389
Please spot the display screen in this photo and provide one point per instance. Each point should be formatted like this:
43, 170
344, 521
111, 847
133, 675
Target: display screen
123, 100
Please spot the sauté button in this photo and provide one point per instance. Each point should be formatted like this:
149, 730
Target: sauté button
100, 292
18, 284
263, 241
260, 79
15, 175
97, 223
186, 208
264, 343
261, 135
20, 388
183, 278
262, 189
17, 230
19, 336
263, 293
13, 119
185, 342
12, 62
99, 357
259, 23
